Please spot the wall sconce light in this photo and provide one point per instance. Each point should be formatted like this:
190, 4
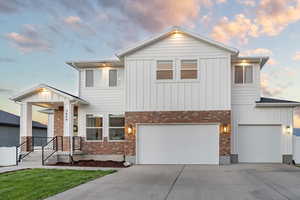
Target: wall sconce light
129, 129
288, 130
225, 128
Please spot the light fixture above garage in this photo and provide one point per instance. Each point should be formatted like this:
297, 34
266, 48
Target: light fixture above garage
288, 130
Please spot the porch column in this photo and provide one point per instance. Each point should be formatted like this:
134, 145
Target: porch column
50, 126
26, 124
68, 123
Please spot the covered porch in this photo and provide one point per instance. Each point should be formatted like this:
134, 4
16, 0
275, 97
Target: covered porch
65, 109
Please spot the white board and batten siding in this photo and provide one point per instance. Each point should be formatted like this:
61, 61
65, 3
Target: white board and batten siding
296, 150
246, 94
103, 100
249, 115
211, 91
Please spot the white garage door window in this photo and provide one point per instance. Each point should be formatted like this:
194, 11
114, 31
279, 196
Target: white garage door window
178, 144
259, 144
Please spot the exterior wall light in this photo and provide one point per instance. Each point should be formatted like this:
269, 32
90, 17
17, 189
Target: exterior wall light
288, 130
129, 129
225, 128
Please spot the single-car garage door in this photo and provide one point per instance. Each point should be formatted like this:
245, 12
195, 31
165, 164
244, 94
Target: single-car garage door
178, 144
259, 143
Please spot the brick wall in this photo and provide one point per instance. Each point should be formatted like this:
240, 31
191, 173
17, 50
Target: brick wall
223, 117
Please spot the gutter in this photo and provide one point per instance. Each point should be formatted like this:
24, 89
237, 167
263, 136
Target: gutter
277, 104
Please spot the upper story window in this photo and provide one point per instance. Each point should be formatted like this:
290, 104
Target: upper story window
94, 125
164, 70
113, 78
188, 69
89, 78
243, 74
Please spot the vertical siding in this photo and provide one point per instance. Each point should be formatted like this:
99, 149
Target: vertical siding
103, 100
249, 114
212, 90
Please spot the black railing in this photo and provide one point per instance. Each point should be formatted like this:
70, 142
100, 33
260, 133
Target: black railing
38, 141
77, 143
29, 147
53, 146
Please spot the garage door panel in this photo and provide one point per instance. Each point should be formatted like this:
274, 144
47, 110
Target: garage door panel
178, 144
259, 144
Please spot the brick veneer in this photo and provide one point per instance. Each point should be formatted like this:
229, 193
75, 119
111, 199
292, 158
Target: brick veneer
221, 116
127, 147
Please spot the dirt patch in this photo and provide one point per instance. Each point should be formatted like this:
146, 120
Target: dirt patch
93, 163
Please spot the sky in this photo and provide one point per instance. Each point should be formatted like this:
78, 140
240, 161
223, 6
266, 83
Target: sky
37, 38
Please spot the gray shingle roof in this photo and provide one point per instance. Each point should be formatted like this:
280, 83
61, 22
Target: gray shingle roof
271, 100
14, 120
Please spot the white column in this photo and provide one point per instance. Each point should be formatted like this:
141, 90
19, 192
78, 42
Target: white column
68, 121
50, 126
26, 120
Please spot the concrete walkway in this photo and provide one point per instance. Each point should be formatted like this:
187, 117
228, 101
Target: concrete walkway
185, 182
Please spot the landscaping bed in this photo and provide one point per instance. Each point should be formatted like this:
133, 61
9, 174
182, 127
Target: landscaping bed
93, 163
34, 184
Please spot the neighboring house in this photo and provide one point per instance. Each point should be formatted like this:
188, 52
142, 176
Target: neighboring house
176, 98
10, 130
297, 131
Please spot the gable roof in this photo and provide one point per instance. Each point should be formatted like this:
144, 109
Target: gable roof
10, 119
40, 87
169, 31
265, 101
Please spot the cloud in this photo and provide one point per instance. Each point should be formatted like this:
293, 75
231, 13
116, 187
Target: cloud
156, 15
249, 3
221, 1
88, 49
10, 6
260, 52
275, 15
6, 91
267, 90
296, 56
7, 60
76, 24
240, 28
271, 18
29, 40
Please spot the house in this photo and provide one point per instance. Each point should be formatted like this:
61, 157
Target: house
10, 130
176, 98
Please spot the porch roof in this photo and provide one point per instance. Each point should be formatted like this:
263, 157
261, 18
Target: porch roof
45, 88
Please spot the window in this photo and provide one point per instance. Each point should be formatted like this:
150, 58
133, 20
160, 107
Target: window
89, 78
94, 124
164, 70
243, 74
113, 78
188, 69
116, 127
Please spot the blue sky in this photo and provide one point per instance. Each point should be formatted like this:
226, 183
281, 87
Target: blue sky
38, 37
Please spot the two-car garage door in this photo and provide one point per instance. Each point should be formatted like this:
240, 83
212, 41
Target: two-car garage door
178, 144
259, 143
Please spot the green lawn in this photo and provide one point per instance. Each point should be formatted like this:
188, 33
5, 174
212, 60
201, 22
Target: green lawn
35, 184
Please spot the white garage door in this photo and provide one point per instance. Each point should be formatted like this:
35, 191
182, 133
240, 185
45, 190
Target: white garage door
178, 144
259, 144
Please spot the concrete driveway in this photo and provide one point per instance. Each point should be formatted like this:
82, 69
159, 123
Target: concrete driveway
185, 182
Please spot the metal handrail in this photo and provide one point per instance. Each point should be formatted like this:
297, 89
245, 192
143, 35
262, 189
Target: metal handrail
54, 139
19, 157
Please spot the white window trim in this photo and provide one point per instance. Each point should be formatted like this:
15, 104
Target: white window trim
173, 69
179, 70
117, 78
85, 78
86, 127
243, 65
108, 127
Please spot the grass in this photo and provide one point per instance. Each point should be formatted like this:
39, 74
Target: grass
33, 184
